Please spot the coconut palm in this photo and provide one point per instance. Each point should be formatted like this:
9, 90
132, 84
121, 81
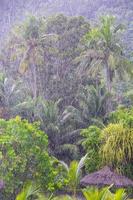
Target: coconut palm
92, 101
74, 173
47, 112
28, 41
12, 93
104, 52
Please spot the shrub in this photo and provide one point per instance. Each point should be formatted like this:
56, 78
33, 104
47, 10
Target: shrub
117, 147
23, 155
91, 144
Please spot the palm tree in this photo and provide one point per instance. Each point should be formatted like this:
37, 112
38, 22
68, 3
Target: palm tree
104, 51
91, 108
47, 111
103, 194
74, 173
29, 39
92, 101
28, 190
49, 114
95, 193
28, 108
12, 93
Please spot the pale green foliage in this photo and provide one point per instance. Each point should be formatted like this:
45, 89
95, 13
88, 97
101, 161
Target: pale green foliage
74, 173
63, 198
122, 115
118, 143
24, 156
97, 194
104, 194
120, 195
41, 196
51, 197
28, 190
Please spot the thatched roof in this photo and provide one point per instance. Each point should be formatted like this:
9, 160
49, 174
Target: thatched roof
106, 177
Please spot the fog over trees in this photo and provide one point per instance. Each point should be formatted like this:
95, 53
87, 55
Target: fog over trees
66, 99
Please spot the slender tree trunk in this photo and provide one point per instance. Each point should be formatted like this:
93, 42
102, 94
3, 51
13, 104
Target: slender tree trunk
34, 81
108, 81
74, 194
108, 86
34, 74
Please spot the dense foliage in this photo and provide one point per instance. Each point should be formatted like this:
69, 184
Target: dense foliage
70, 81
91, 143
111, 145
24, 156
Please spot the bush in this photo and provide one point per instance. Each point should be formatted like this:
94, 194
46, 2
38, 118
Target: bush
23, 155
117, 147
91, 144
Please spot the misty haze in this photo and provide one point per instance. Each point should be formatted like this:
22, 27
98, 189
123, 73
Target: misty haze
66, 100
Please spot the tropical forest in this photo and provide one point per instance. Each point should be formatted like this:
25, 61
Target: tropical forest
66, 100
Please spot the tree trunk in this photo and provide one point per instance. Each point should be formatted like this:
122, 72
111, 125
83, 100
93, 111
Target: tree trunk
74, 194
108, 86
34, 81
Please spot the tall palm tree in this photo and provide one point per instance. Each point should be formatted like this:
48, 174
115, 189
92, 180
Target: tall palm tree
29, 39
104, 51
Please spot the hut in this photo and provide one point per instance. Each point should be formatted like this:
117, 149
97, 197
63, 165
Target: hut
105, 177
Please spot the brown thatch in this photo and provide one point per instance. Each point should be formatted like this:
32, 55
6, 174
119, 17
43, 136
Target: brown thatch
105, 177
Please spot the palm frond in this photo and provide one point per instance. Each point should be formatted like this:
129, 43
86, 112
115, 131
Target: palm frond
65, 166
81, 164
28, 190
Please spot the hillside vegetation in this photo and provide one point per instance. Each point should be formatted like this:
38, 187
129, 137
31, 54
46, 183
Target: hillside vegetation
66, 98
